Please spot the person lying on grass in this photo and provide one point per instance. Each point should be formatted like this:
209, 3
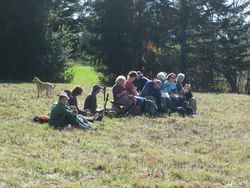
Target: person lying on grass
62, 115
90, 103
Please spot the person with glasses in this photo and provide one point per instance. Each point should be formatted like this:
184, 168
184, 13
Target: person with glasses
170, 86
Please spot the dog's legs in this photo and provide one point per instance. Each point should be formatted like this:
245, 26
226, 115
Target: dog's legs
38, 93
50, 91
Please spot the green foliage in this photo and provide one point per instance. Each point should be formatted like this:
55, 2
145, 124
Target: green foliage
206, 40
36, 40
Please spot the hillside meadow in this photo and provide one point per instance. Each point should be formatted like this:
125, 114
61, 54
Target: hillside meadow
210, 150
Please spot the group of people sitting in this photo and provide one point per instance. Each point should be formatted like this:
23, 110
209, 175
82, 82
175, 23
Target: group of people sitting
66, 112
166, 93
135, 95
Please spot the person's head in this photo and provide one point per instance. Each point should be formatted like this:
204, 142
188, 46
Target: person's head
68, 93
132, 75
120, 80
63, 98
96, 89
77, 91
171, 77
161, 76
157, 84
180, 77
139, 75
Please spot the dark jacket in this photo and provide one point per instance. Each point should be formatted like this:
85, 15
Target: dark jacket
73, 102
150, 91
90, 103
139, 84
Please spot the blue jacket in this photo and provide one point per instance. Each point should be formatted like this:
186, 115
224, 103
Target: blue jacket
170, 88
150, 91
139, 84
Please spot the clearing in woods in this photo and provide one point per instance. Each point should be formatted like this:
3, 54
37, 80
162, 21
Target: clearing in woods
210, 150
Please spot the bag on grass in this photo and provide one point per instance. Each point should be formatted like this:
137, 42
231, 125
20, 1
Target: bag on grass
149, 107
41, 119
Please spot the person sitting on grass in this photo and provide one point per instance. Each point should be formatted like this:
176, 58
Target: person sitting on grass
152, 91
129, 86
122, 97
170, 87
77, 91
90, 103
186, 91
62, 115
140, 81
167, 105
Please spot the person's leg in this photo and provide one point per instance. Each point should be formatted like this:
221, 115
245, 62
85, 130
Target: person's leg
126, 101
181, 101
193, 104
82, 123
140, 102
175, 101
169, 104
189, 95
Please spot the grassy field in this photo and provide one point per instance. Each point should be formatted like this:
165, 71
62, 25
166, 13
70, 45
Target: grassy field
85, 75
210, 150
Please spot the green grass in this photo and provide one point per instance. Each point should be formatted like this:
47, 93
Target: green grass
85, 75
210, 150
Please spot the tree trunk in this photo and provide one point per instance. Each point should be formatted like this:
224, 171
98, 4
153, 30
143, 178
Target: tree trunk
232, 80
247, 89
183, 35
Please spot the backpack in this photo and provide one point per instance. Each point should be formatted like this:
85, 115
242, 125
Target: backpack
41, 119
149, 107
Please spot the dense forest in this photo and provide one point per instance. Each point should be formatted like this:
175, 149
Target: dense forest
208, 40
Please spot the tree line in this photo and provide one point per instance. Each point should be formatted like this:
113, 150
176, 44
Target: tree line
207, 40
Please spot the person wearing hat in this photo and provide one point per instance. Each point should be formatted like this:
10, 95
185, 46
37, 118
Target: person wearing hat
140, 81
62, 115
91, 100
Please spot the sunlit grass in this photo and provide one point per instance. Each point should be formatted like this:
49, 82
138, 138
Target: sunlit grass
85, 75
210, 150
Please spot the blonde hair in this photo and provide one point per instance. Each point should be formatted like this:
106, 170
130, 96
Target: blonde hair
120, 78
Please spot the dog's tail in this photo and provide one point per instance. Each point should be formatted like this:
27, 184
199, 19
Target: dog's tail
53, 86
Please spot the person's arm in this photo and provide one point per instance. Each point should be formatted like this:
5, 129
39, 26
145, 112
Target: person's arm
124, 93
131, 88
179, 88
158, 99
134, 92
145, 90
